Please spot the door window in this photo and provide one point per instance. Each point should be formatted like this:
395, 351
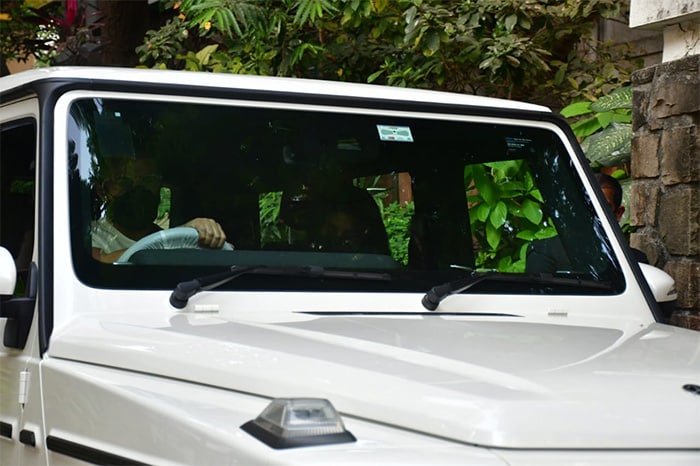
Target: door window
17, 175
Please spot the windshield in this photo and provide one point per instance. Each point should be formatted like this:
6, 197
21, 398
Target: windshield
424, 199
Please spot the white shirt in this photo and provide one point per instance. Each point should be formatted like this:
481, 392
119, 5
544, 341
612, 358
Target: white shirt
107, 238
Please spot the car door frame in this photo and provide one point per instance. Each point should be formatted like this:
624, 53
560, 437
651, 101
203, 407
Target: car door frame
21, 409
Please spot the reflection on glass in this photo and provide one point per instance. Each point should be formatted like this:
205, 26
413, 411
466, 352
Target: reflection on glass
424, 199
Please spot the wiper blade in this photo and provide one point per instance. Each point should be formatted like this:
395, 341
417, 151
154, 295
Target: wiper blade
432, 298
185, 290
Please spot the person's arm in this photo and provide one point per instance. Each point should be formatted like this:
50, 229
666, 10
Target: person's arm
108, 242
108, 258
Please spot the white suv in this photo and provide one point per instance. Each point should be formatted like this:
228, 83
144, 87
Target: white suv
371, 301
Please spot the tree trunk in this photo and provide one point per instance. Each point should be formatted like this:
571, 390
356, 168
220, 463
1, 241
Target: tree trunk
124, 25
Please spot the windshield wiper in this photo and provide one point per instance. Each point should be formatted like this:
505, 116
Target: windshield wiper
432, 298
185, 290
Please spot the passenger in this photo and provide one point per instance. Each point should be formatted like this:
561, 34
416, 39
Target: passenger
549, 256
347, 229
612, 190
130, 192
335, 220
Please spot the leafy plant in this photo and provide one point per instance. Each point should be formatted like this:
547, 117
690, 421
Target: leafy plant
270, 231
24, 29
161, 47
538, 50
252, 37
505, 214
60, 33
163, 217
604, 127
397, 221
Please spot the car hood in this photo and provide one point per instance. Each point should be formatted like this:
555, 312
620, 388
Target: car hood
500, 383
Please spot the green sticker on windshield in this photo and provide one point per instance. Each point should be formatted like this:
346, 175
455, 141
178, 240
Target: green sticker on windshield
395, 133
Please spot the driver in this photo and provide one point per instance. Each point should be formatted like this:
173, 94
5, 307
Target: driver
130, 192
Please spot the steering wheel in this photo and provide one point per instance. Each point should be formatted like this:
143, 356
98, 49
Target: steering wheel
172, 238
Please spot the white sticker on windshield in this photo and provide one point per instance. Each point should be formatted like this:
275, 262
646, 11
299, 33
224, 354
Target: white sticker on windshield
395, 133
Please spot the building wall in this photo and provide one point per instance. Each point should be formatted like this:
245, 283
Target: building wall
681, 40
646, 44
658, 13
665, 200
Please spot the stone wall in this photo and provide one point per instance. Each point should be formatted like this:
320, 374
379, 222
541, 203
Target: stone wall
665, 196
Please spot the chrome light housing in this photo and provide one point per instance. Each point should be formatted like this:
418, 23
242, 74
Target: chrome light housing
298, 422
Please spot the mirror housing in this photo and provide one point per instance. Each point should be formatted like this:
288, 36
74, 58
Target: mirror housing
19, 311
8, 273
662, 286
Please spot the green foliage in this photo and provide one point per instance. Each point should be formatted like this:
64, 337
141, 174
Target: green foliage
397, 221
270, 230
606, 135
505, 214
53, 32
538, 50
163, 217
162, 46
610, 147
21, 28
507, 48
618, 99
250, 37
311, 10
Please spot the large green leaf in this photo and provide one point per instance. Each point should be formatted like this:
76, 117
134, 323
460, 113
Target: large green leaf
618, 99
527, 235
493, 235
610, 147
576, 109
481, 212
485, 185
432, 42
531, 210
512, 188
204, 54
604, 119
547, 232
498, 214
586, 127
537, 195
511, 21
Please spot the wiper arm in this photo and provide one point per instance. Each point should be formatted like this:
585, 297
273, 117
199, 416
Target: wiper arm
185, 290
432, 298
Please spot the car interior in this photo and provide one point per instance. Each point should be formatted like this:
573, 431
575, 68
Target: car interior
350, 190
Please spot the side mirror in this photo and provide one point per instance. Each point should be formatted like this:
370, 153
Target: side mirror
19, 311
662, 286
8, 273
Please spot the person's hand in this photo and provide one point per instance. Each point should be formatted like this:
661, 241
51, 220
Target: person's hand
211, 235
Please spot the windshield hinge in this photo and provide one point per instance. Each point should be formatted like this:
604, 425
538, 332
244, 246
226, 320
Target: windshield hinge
23, 387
